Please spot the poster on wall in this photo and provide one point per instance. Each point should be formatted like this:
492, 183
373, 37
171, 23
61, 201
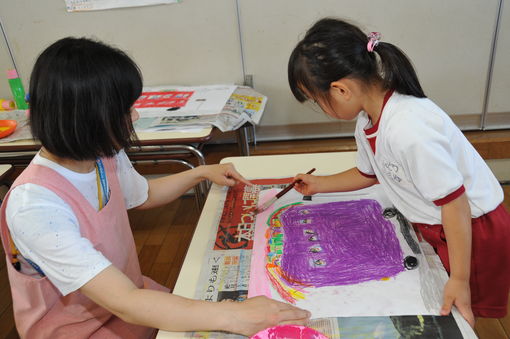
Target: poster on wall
96, 5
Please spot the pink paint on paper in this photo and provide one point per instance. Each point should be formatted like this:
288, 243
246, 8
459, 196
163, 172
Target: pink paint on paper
289, 332
258, 284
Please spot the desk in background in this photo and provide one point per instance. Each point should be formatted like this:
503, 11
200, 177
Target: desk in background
160, 147
174, 147
273, 166
4, 171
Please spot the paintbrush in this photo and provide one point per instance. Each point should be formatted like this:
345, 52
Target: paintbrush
279, 195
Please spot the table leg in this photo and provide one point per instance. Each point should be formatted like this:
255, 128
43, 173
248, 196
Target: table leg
242, 140
200, 194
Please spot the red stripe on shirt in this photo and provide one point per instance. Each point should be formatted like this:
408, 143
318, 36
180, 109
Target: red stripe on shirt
371, 141
375, 127
450, 197
371, 176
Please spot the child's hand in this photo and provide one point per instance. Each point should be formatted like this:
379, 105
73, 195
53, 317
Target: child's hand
224, 174
255, 314
308, 184
457, 292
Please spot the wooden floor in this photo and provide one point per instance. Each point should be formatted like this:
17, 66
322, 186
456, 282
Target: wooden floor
163, 235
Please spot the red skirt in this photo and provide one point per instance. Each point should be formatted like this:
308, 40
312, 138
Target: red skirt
490, 260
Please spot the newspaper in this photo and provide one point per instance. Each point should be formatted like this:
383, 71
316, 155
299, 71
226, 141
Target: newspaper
245, 105
225, 274
225, 271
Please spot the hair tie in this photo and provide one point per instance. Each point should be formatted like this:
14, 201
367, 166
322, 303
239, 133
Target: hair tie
373, 40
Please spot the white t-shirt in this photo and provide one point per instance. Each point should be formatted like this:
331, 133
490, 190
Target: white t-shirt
46, 231
422, 157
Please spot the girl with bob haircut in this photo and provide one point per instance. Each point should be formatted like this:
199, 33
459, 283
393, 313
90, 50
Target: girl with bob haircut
73, 266
406, 143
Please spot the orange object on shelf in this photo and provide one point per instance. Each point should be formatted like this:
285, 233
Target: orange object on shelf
7, 127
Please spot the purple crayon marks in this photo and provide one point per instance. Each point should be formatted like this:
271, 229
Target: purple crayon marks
339, 243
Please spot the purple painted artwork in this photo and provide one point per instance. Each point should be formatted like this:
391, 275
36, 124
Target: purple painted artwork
331, 244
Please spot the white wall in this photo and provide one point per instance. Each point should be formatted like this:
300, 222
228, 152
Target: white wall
437, 35
197, 42
194, 42
5, 64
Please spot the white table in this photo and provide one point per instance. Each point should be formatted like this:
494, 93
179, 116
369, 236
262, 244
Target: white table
272, 166
268, 166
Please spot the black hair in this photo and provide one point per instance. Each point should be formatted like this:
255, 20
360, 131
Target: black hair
81, 94
333, 49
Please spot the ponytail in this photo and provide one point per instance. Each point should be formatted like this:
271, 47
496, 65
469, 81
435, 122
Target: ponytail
396, 70
333, 49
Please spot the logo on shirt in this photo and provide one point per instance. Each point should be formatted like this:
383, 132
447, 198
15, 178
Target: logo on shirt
391, 170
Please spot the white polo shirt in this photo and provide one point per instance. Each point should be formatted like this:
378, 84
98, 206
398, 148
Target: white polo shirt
423, 160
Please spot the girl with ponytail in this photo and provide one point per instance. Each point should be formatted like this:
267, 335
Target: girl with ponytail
411, 147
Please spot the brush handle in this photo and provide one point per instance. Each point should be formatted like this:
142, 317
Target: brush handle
291, 185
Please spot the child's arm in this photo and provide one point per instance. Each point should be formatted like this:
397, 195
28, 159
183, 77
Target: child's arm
166, 189
112, 290
456, 220
349, 180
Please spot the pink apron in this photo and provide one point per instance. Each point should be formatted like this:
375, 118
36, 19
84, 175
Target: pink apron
40, 310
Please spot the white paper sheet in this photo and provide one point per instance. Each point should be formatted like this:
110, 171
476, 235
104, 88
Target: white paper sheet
204, 100
407, 293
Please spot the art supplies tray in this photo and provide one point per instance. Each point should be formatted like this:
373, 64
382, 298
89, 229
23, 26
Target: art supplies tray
7, 127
